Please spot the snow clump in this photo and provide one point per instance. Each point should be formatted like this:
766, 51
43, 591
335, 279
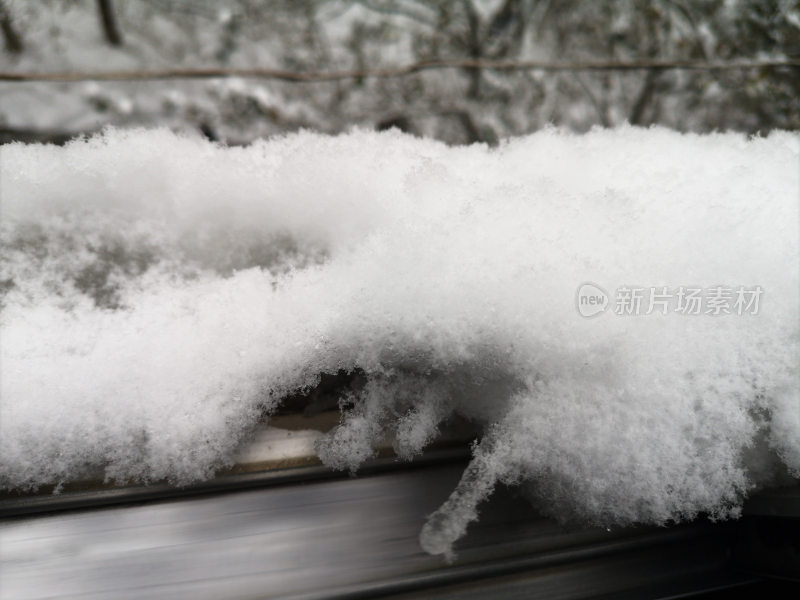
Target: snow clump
160, 294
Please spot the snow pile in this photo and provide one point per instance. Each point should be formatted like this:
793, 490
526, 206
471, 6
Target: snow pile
161, 293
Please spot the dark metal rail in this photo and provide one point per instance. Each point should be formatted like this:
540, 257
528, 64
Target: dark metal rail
308, 533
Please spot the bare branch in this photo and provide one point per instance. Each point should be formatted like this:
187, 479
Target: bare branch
402, 71
109, 22
11, 36
644, 98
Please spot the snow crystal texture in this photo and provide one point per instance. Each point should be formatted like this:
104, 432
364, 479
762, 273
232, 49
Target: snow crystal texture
160, 294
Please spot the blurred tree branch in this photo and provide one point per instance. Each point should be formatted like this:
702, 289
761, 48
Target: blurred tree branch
644, 98
11, 37
109, 22
401, 71
512, 65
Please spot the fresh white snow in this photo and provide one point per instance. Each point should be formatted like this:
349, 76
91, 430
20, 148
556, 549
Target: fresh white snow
160, 292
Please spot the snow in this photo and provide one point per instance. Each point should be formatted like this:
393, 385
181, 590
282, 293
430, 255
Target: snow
161, 293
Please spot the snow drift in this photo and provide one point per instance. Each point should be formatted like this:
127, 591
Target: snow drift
161, 293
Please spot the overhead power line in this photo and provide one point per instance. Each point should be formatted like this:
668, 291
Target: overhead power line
400, 71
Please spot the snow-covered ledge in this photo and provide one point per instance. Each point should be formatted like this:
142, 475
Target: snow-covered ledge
618, 310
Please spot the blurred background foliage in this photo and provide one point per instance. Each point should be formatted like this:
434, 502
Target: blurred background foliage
458, 106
